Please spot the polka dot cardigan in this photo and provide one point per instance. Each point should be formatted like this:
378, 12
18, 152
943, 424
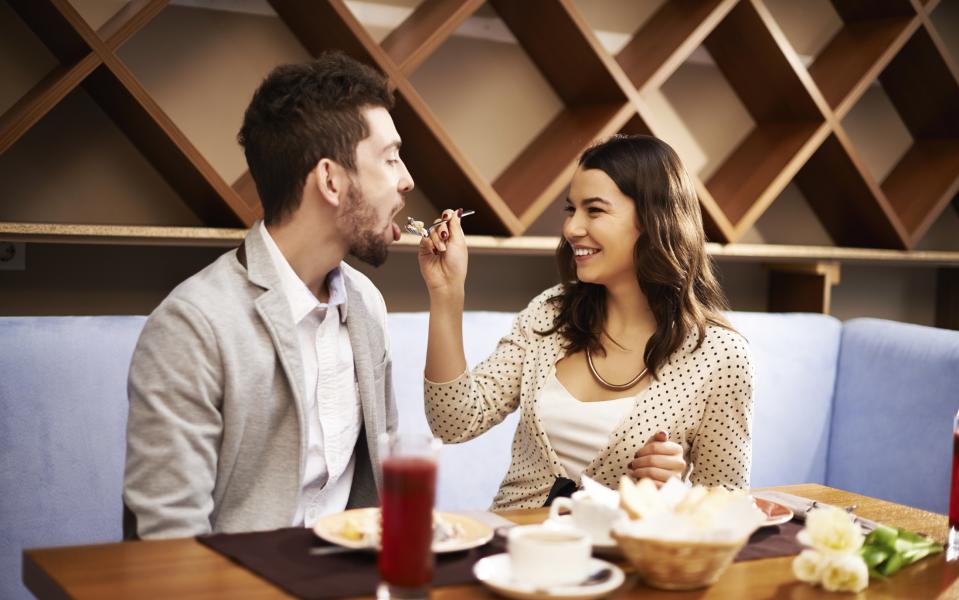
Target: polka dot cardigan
702, 399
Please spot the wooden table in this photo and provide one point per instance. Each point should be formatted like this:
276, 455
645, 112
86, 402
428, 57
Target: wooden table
184, 568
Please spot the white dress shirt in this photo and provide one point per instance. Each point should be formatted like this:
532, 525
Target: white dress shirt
332, 403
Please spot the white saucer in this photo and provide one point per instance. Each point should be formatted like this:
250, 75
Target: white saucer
494, 572
606, 546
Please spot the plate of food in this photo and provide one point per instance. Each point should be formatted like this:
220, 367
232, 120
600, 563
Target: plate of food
359, 528
776, 514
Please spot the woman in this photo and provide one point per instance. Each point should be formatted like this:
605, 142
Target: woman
628, 366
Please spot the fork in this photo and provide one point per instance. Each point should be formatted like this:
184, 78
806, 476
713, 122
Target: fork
425, 231
848, 509
867, 524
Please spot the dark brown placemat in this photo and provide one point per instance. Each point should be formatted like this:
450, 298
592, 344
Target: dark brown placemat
282, 557
770, 542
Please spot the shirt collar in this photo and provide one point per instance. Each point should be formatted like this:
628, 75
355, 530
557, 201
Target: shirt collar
301, 300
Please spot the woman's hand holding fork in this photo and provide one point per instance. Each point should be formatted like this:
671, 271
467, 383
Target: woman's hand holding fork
443, 257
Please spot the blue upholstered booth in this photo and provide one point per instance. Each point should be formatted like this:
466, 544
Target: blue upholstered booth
866, 406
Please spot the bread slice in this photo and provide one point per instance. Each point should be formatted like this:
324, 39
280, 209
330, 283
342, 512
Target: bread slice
640, 500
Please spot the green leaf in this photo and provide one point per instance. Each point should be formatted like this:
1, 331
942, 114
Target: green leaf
911, 556
883, 535
892, 565
912, 536
874, 555
887, 549
919, 553
902, 545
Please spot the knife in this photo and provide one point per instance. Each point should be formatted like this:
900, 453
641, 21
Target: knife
327, 550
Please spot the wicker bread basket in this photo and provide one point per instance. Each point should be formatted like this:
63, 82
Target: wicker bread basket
672, 565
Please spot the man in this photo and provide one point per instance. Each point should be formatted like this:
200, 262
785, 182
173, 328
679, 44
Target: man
259, 385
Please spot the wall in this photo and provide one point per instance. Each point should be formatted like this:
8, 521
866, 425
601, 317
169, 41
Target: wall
77, 167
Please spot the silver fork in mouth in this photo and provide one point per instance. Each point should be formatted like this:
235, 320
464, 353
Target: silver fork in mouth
416, 227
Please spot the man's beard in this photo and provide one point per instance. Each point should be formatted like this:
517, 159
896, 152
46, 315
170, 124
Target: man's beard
360, 220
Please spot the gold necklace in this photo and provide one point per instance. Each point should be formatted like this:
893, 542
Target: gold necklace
606, 384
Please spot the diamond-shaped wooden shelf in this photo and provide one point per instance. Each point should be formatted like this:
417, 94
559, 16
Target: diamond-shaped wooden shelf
798, 111
922, 83
88, 58
872, 34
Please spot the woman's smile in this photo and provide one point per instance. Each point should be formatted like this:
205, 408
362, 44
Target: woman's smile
584, 253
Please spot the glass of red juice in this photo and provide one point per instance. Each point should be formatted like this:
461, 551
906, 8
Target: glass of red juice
408, 464
952, 548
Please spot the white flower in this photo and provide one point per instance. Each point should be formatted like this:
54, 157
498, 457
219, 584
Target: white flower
808, 566
831, 530
844, 573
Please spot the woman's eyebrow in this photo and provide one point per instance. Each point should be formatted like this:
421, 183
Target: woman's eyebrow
595, 200
588, 201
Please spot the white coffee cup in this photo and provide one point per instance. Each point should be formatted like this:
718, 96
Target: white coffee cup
547, 556
595, 518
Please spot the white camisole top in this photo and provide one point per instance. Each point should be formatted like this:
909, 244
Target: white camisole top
577, 431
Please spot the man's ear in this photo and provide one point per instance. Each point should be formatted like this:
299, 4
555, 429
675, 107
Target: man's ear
331, 180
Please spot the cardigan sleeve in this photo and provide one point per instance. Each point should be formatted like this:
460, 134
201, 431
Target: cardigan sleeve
722, 451
462, 409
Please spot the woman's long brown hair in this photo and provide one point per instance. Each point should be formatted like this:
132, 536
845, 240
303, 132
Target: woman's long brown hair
672, 267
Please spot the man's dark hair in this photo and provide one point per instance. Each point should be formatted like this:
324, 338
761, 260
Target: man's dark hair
302, 113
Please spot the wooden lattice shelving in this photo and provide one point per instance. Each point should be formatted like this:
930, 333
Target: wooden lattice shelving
223, 237
798, 111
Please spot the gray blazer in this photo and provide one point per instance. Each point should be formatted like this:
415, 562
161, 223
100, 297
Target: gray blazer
217, 435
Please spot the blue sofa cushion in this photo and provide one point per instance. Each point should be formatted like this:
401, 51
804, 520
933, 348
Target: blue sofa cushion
469, 473
897, 394
795, 360
63, 403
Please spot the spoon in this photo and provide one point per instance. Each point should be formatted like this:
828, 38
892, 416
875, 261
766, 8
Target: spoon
595, 578
416, 227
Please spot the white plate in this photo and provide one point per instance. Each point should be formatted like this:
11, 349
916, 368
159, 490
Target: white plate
471, 533
494, 572
776, 513
606, 547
